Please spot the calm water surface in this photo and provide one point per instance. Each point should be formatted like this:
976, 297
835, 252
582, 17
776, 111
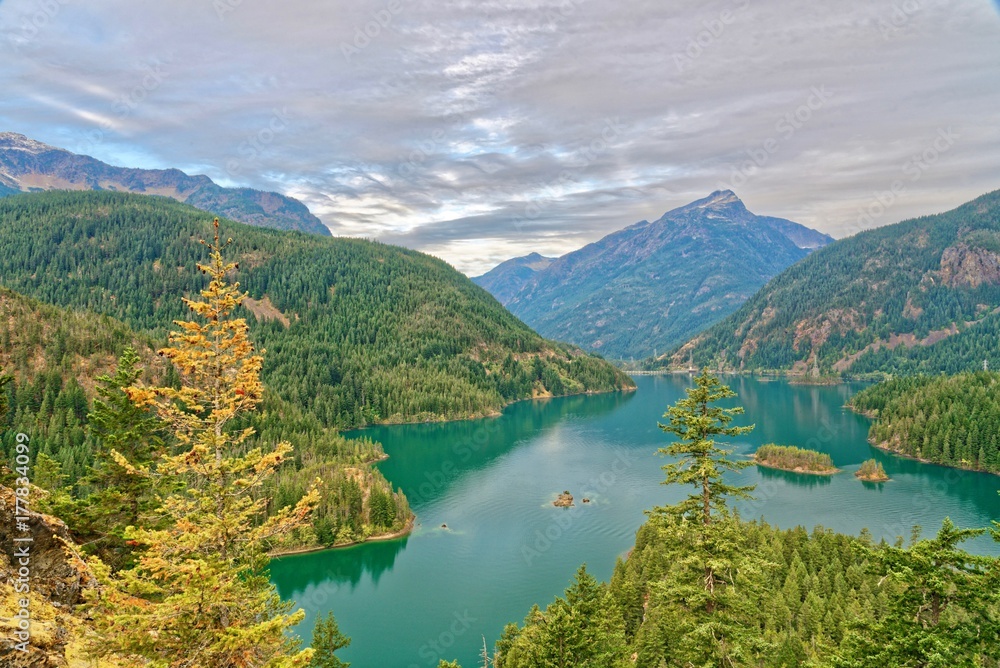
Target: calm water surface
438, 593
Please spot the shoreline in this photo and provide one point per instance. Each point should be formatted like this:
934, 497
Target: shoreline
405, 531
872, 415
766, 375
411, 523
874, 481
796, 470
491, 414
914, 458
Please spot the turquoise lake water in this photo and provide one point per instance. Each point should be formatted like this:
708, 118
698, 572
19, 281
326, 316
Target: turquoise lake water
439, 592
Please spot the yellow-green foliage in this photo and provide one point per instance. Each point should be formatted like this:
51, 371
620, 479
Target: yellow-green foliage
872, 471
200, 589
791, 458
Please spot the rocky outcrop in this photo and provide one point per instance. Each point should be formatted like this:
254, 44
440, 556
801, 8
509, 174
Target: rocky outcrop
963, 266
58, 579
882, 288
565, 500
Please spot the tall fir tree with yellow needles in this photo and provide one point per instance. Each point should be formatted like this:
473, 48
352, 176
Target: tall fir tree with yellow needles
199, 594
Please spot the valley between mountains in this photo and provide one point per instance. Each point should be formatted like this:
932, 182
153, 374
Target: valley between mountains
192, 389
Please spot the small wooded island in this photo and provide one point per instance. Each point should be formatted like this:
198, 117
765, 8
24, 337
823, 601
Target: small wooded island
796, 460
872, 471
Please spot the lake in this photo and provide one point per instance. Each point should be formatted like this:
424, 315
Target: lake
437, 593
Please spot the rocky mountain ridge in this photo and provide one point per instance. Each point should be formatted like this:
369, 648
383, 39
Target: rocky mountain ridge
652, 284
27, 165
919, 295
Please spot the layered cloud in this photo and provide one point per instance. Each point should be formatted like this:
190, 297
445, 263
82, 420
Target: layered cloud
478, 130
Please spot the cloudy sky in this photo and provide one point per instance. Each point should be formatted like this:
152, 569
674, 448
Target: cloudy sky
478, 130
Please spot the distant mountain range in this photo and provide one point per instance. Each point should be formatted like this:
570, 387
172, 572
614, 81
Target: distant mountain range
27, 165
920, 295
506, 279
653, 285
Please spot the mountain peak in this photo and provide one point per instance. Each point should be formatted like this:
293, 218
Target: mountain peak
649, 286
18, 142
716, 199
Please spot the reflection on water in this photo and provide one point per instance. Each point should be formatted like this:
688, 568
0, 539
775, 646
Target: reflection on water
875, 486
437, 454
346, 566
800, 479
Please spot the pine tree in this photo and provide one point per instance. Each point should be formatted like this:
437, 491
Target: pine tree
942, 612
714, 572
326, 640
695, 421
199, 594
129, 439
707, 599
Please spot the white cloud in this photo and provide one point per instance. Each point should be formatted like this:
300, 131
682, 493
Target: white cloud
435, 124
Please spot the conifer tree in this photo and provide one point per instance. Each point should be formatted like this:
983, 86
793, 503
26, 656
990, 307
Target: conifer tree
696, 422
582, 630
943, 613
713, 569
326, 640
199, 594
129, 439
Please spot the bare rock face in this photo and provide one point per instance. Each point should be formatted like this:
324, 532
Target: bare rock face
966, 267
58, 579
58, 572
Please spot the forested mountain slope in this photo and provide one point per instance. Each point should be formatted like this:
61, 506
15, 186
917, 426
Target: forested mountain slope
27, 165
654, 284
356, 332
57, 357
920, 295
